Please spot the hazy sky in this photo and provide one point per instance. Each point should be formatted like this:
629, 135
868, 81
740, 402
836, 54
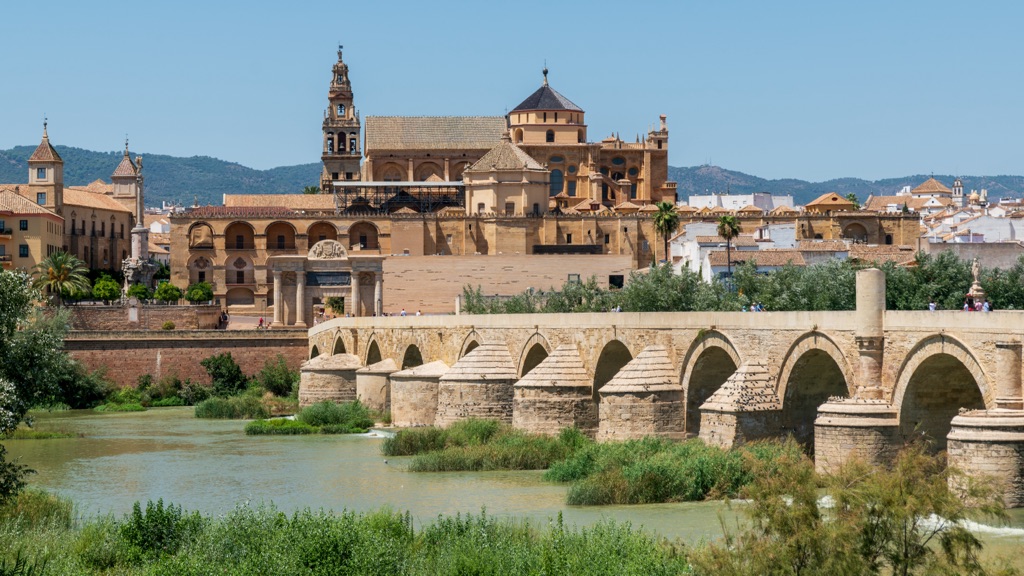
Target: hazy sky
811, 90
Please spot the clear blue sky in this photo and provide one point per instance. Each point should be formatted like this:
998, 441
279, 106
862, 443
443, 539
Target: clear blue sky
810, 90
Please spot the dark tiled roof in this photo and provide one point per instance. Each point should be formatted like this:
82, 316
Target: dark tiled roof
241, 212
547, 98
433, 132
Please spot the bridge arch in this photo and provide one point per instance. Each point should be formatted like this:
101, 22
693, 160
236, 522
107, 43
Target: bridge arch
939, 376
613, 357
813, 369
471, 341
314, 352
411, 357
709, 362
339, 345
533, 353
372, 352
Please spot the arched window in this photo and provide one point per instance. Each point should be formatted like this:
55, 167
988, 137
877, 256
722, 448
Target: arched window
352, 144
556, 181
330, 142
550, 136
341, 109
519, 136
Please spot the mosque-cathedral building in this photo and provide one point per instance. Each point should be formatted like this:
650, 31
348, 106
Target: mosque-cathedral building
411, 190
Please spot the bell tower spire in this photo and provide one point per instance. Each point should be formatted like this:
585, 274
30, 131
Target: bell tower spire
342, 152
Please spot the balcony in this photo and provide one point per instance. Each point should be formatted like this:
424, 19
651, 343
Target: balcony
6, 232
5, 259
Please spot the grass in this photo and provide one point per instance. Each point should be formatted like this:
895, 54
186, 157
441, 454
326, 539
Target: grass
34, 509
22, 433
321, 418
245, 407
655, 470
157, 539
113, 407
481, 445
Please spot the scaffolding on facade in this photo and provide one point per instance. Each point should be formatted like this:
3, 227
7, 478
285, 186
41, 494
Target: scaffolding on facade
389, 197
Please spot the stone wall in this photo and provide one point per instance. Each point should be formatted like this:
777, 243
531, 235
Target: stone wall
126, 355
150, 317
431, 283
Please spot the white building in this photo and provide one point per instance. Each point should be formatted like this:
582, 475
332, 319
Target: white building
761, 200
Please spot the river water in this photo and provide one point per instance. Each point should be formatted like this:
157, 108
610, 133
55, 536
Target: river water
211, 466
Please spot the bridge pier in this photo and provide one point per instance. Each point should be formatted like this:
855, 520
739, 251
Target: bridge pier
743, 409
479, 385
991, 442
414, 394
643, 399
849, 429
373, 387
328, 378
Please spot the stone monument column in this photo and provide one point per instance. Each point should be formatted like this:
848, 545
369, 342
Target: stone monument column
355, 293
278, 309
378, 294
870, 333
300, 299
1008, 376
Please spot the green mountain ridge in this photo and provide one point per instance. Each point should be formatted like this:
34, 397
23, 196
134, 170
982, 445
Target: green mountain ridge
205, 179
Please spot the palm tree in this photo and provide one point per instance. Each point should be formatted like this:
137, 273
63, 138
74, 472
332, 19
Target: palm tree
728, 228
666, 221
61, 272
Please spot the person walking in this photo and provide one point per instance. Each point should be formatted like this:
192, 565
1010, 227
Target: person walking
931, 306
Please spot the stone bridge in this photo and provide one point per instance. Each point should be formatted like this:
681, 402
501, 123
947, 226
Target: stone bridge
857, 383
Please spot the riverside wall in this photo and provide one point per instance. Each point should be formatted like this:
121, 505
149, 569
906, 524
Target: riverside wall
126, 354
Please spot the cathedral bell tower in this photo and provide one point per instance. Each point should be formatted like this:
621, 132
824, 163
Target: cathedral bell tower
342, 153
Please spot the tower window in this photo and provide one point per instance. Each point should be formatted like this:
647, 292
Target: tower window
352, 145
23, 225
41, 198
545, 116
550, 137
41, 173
341, 109
568, 238
556, 181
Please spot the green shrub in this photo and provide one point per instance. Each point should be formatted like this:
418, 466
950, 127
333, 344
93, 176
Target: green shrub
106, 289
79, 388
348, 414
167, 402
12, 477
277, 378
167, 325
99, 544
167, 292
344, 429
193, 392
111, 407
238, 407
140, 291
159, 530
226, 375
279, 426
22, 566
32, 509
199, 292
22, 433
143, 382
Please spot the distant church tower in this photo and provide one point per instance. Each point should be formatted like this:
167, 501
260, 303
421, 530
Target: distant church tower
46, 176
958, 194
341, 152
126, 181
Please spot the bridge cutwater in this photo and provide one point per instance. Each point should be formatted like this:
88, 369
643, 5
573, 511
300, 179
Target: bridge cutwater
845, 384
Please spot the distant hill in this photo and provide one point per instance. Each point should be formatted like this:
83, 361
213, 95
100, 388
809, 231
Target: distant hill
169, 178
174, 179
705, 179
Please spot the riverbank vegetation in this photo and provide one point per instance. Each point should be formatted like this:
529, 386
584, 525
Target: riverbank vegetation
829, 285
474, 445
321, 418
273, 391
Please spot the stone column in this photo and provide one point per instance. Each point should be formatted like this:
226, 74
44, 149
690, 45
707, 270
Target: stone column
378, 294
355, 293
300, 299
870, 333
410, 176
278, 309
447, 171
1008, 376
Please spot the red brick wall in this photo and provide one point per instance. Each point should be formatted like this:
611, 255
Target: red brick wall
128, 355
151, 317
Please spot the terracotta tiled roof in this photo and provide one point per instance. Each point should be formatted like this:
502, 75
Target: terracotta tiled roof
762, 257
750, 208
783, 210
240, 212
433, 132
830, 199
81, 197
823, 245
155, 248
546, 98
685, 209
626, 206
405, 210
741, 240
931, 186
126, 167
586, 205
882, 203
505, 156
97, 186
11, 201
292, 201
881, 254
45, 152
649, 208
